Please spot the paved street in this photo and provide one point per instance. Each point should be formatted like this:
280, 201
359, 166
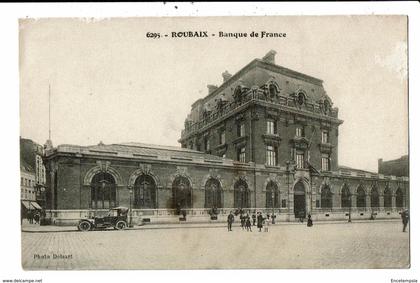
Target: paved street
355, 245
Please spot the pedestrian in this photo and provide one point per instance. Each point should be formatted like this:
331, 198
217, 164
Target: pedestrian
254, 219
30, 217
309, 223
405, 218
266, 224
184, 215
230, 220
273, 218
260, 220
242, 218
248, 223
36, 217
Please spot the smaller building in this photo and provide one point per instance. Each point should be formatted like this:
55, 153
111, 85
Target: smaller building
397, 167
28, 194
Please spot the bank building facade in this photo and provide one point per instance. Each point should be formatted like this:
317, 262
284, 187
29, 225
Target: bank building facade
265, 140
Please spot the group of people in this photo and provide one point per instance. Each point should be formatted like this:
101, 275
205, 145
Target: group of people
257, 220
33, 216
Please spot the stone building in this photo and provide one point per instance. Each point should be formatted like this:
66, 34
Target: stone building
265, 140
397, 167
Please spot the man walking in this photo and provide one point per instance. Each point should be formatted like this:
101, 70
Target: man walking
405, 217
254, 219
230, 219
260, 220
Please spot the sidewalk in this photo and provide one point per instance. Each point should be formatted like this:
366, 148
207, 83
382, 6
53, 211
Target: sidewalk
34, 228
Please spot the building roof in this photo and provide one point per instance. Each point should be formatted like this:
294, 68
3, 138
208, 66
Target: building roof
139, 150
25, 167
346, 168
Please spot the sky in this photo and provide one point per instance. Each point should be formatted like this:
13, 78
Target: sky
111, 83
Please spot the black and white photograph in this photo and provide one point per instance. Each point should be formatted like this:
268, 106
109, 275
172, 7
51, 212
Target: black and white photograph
210, 142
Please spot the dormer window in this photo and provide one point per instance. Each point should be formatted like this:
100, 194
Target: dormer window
327, 106
301, 98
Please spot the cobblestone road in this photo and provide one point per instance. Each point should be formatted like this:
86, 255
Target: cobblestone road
355, 245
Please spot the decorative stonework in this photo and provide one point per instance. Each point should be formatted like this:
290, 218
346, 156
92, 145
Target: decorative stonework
273, 177
181, 171
213, 174
241, 176
102, 167
144, 169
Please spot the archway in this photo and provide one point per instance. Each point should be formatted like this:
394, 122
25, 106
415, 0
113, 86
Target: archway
213, 194
374, 198
181, 193
326, 198
361, 198
387, 198
144, 192
299, 202
345, 197
241, 195
103, 193
399, 198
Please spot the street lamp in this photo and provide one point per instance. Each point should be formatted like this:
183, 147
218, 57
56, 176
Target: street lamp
131, 211
273, 196
349, 207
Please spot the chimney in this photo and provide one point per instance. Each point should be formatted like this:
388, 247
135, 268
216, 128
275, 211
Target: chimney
226, 75
270, 57
211, 88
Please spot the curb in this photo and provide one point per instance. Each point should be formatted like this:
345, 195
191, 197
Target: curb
197, 226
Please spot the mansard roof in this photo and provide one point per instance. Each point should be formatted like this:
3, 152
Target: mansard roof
259, 72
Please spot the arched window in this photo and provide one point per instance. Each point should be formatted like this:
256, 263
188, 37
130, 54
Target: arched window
213, 194
144, 192
272, 195
181, 193
345, 197
326, 198
241, 195
103, 193
399, 198
387, 198
361, 198
374, 198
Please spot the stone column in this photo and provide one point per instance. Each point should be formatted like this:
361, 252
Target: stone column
381, 202
393, 203
368, 203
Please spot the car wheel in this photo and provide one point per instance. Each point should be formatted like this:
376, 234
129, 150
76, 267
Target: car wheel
84, 226
120, 225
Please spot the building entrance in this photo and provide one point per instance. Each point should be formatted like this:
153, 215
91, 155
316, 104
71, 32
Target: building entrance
299, 201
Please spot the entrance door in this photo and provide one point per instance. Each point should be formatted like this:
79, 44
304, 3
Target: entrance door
299, 200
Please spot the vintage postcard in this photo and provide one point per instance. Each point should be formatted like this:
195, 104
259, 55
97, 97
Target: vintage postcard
277, 142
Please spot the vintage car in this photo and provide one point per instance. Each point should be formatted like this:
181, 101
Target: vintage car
116, 218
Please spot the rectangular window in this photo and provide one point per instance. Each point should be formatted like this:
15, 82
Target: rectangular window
222, 137
241, 155
271, 155
271, 127
325, 137
325, 163
299, 132
299, 160
206, 143
241, 130
21, 181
